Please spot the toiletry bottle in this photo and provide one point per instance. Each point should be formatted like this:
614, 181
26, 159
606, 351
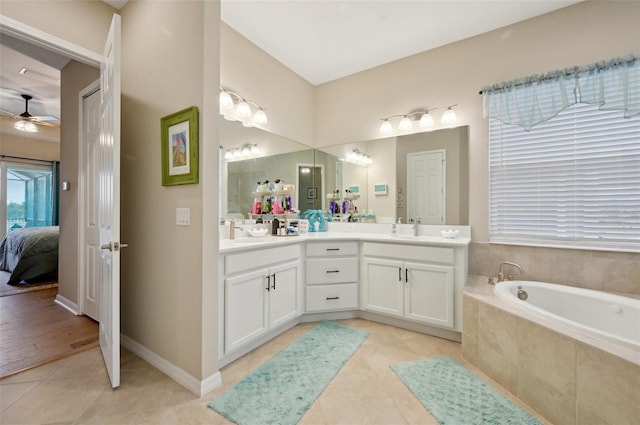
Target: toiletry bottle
394, 229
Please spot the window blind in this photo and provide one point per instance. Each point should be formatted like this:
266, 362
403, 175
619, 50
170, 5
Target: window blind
572, 181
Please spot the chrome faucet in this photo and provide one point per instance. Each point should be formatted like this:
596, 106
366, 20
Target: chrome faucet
510, 275
416, 225
232, 229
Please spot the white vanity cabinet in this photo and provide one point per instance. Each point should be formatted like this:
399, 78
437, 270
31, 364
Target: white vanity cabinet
331, 276
409, 282
262, 290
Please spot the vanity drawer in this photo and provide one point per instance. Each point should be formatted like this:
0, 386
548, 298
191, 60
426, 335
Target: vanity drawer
250, 260
321, 271
331, 249
332, 297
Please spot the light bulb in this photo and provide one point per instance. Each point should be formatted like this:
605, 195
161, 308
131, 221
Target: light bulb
228, 155
255, 150
237, 154
448, 116
405, 124
260, 116
19, 125
386, 127
244, 110
426, 120
226, 101
246, 151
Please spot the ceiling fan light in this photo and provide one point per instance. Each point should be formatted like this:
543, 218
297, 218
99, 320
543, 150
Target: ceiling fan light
30, 127
405, 124
386, 127
449, 116
226, 101
19, 125
244, 110
260, 117
426, 120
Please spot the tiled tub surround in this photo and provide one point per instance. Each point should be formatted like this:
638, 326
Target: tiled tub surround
601, 270
567, 377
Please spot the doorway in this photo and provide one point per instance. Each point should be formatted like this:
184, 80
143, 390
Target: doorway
425, 186
310, 183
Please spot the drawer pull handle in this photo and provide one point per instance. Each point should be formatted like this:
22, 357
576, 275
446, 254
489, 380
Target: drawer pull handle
333, 271
333, 249
333, 298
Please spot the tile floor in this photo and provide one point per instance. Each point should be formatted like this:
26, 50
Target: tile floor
76, 390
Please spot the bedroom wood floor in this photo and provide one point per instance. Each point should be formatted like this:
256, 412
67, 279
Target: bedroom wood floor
34, 330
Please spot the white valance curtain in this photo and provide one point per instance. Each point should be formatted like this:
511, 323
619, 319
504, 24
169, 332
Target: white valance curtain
613, 85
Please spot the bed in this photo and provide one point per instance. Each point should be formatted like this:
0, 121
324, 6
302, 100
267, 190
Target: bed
30, 253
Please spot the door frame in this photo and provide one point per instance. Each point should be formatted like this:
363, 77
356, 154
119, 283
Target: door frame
82, 193
65, 48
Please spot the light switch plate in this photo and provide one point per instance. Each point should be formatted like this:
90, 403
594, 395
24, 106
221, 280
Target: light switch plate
183, 216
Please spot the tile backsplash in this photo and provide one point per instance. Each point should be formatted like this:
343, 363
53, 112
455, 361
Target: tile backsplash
607, 271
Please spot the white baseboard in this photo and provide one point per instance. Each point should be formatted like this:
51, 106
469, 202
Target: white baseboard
179, 375
69, 305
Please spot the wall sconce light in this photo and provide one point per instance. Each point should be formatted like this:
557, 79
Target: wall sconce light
449, 116
242, 152
243, 110
359, 158
424, 118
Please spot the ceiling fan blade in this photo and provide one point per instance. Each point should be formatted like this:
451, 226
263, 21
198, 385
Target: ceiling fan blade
47, 124
7, 113
41, 118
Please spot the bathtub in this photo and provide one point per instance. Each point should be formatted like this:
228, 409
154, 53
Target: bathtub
597, 314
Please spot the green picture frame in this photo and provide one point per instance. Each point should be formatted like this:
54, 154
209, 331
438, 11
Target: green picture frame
179, 138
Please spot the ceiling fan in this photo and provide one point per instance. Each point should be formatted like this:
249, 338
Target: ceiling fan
27, 122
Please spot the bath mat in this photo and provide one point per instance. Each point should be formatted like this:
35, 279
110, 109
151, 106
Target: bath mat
454, 395
284, 388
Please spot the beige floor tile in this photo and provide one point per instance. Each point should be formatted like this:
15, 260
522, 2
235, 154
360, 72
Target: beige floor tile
365, 391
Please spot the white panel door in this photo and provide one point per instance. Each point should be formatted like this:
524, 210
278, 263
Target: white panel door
91, 231
109, 198
425, 187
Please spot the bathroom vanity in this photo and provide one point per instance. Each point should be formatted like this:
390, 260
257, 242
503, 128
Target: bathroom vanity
269, 285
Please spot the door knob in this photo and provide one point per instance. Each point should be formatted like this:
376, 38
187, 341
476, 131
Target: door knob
114, 246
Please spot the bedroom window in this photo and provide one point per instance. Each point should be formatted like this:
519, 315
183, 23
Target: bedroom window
28, 197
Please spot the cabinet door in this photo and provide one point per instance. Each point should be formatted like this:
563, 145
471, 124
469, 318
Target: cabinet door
383, 286
245, 315
429, 294
283, 294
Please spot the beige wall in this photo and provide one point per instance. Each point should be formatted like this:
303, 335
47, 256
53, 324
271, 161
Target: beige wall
26, 147
84, 23
578, 35
169, 273
74, 78
252, 73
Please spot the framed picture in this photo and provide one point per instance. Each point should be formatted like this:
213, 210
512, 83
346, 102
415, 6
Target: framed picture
312, 193
179, 134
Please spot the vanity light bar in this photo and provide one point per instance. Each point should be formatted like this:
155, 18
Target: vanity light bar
424, 118
243, 110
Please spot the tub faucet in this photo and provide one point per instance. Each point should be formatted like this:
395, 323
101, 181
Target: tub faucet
232, 229
510, 275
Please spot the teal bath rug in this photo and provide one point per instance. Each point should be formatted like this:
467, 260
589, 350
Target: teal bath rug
455, 396
284, 388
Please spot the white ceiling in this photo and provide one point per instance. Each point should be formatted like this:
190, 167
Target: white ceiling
320, 40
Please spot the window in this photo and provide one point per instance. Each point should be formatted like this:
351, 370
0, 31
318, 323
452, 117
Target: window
572, 181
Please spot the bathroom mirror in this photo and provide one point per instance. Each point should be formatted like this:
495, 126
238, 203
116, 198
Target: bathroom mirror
422, 175
272, 157
382, 187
